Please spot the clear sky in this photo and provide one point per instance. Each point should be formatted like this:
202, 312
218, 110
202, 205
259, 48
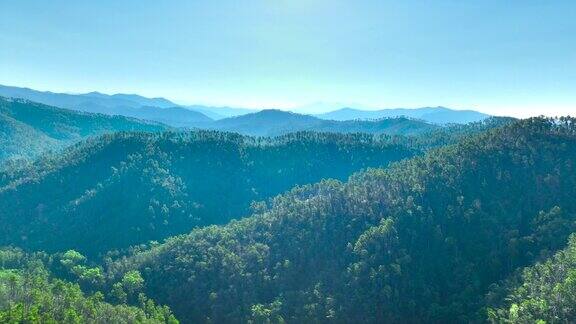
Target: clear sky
514, 57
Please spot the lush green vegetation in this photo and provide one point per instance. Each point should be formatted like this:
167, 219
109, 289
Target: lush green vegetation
544, 293
129, 188
423, 241
464, 223
28, 129
30, 293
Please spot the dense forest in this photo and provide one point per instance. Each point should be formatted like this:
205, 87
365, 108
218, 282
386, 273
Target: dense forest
129, 188
543, 293
411, 222
287, 162
422, 241
30, 293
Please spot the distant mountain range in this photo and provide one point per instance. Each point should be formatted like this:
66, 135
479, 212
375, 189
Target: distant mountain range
130, 105
437, 115
269, 122
277, 122
28, 129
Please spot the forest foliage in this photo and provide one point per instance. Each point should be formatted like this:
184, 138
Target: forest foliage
30, 293
422, 241
464, 223
129, 188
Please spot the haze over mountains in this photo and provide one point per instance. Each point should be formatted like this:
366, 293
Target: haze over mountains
170, 113
287, 162
126, 105
277, 122
28, 129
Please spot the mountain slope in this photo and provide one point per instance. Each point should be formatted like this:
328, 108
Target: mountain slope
133, 187
276, 122
28, 129
267, 123
437, 115
19, 140
420, 242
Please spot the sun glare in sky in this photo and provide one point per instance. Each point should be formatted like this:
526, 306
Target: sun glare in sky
501, 57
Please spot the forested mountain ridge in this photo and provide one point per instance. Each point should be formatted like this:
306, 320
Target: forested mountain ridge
129, 188
273, 122
419, 242
28, 129
268, 122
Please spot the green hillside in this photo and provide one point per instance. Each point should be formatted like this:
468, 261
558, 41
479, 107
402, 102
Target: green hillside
28, 129
128, 188
423, 241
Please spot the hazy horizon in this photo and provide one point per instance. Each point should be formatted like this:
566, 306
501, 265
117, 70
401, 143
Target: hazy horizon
489, 56
309, 108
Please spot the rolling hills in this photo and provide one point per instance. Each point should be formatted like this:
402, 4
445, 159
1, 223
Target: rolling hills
276, 122
200, 116
147, 186
422, 241
425, 233
129, 188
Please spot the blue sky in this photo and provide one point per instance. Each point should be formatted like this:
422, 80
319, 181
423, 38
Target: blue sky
502, 57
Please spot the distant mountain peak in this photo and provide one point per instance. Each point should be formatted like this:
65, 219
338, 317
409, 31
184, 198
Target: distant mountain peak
437, 115
96, 94
276, 112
